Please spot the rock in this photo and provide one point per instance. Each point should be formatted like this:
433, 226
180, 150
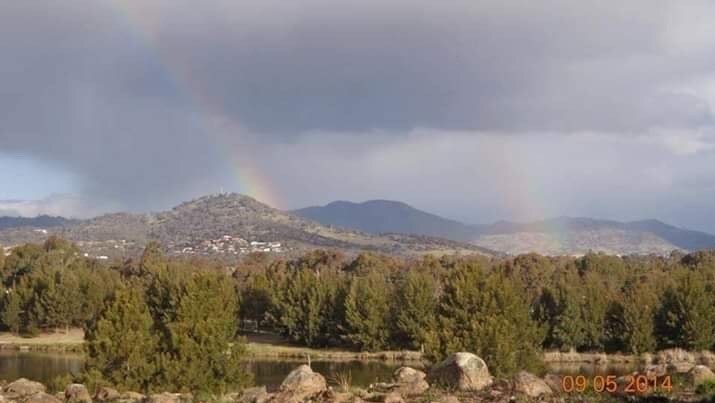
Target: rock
301, 384
554, 382
647, 358
707, 358
410, 382
408, 375
131, 397
464, 371
676, 359
169, 398
449, 399
42, 397
393, 397
699, 374
22, 388
655, 370
531, 385
254, 395
77, 392
105, 394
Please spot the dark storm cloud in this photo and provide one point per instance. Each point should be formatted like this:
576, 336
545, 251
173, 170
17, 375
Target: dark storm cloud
80, 91
132, 96
555, 65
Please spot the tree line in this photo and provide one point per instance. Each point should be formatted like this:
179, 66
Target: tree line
505, 309
154, 322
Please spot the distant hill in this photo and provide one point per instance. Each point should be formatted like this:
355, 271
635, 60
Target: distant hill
42, 221
192, 224
383, 216
563, 235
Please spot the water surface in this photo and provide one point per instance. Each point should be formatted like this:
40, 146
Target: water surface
44, 367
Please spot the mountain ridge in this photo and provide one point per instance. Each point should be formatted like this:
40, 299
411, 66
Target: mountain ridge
193, 225
559, 235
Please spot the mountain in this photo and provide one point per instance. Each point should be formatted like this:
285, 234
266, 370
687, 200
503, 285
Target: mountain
563, 235
39, 222
383, 216
227, 224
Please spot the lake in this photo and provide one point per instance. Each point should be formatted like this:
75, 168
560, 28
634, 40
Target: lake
43, 367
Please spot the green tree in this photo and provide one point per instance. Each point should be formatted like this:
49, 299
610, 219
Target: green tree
416, 308
205, 353
307, 302
121, 344
12, 311
568, 326
488, 314
367, 312
638, 313
686, 316
257, 300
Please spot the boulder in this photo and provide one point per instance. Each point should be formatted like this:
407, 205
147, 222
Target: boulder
410, 381
393, 397
254, 395
531, 385
676, 359
169, 398
42, 397
554, 382
464, 371
105, 394
77, 392
301, 384
699, 374
707, 358
655, 370
131, 397
22, 388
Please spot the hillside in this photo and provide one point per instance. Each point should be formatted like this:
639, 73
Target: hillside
564, 235
229, 224
382, 216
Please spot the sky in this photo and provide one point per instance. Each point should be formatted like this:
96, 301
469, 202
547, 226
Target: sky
474, 110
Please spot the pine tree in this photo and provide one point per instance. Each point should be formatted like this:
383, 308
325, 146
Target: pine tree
415, 309
568, 328
640, 303
488, 315
686, 316
257, 300
307, 302
12, 311
204, 353
121, 344
367, 312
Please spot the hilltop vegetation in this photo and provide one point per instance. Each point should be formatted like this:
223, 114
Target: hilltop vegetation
187, 312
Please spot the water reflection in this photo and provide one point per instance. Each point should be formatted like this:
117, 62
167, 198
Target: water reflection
44, 367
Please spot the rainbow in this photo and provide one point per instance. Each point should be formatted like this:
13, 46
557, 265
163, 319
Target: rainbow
210, 115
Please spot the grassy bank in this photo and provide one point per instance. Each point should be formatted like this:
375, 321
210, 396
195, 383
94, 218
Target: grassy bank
60, 341
264, 350
264, 345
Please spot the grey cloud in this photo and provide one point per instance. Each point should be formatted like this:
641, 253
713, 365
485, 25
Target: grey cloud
132, 99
